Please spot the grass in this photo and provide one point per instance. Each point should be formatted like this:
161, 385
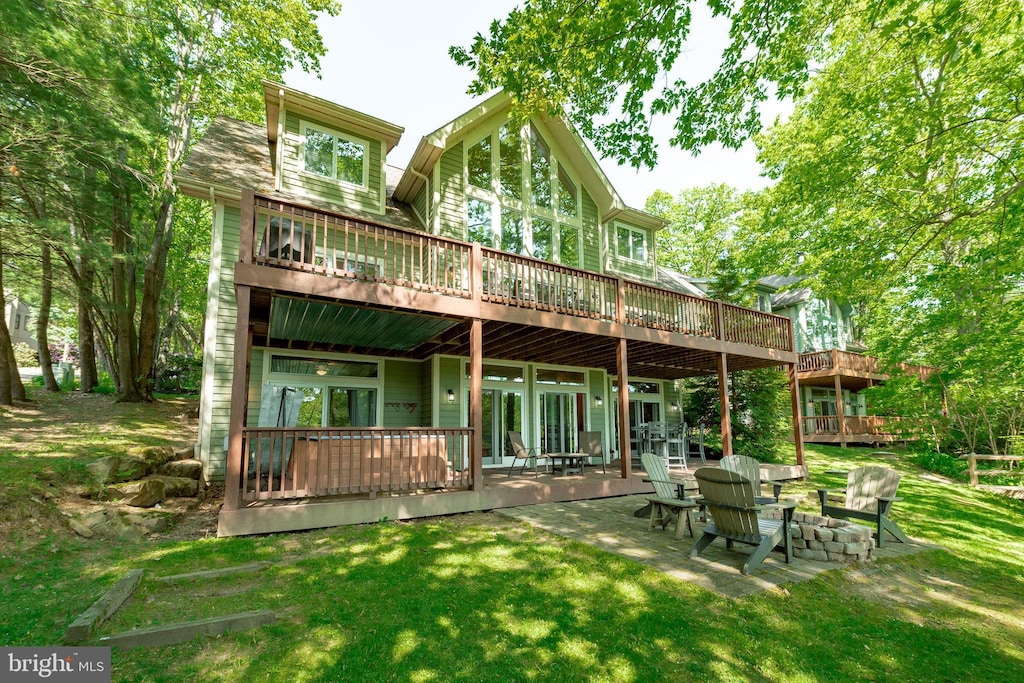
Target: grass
480, 597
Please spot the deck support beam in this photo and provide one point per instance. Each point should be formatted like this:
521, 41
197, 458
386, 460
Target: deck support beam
840, 411
476, 418
723, 400
794, 397
625, 452
239, 399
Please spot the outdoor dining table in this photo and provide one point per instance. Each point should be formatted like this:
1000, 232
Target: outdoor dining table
572, 463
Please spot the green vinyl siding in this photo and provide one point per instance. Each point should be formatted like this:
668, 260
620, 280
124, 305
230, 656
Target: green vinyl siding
294, 179
450, 209
420, 203
591, 235
219, 361
252, 417
449, 414
632, 269
598, 416
427, 392
402, 404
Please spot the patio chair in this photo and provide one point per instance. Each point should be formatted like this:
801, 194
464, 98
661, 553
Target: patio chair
751, 469
590, 443
729, 498
870, 493
521, 452
666, 506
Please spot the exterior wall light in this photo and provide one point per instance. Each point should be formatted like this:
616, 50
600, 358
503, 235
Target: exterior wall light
321, 369
451, 396
598, 401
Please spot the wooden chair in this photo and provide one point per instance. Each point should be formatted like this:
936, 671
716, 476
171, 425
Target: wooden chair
729, 498
521, 452
751, 469
870, 493
590, 443
666, 506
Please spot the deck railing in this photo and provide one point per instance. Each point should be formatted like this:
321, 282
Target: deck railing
875, 425
844, 360
301, 238
284, 462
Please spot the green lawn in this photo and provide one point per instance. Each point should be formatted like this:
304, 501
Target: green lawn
479, 597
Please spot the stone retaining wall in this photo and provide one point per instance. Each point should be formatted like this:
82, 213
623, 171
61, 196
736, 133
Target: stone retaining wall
829, 540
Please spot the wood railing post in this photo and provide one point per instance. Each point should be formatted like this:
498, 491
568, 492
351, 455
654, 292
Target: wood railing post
794, 398
972, 464
246, 236
239, 395
720, 321
723, 400
840, 411
476, 420
625, 453
620, 301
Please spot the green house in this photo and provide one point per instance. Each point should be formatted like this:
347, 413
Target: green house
374, 333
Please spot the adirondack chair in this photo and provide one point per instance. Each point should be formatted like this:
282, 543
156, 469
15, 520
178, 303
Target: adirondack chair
590, 443
521, 452
729, 498
870, 493
751, 469
666, 506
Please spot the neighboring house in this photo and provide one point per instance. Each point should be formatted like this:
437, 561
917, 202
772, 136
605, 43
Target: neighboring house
834, 369
373, 333
20, 322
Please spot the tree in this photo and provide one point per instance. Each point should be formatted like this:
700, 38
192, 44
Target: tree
702, 223
602, 60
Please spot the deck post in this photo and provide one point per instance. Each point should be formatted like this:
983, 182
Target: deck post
723, 400
794, 397
248, 223
840, 411
476, 419
476, 273
239, 396
625, 453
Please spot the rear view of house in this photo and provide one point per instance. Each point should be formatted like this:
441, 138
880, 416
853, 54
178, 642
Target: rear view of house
374, 333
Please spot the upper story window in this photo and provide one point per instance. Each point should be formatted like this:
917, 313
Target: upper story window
17, 321
519, 198
335, 155
630, 243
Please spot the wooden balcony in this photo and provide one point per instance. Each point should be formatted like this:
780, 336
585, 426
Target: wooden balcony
860, 429
416, 271
826, 364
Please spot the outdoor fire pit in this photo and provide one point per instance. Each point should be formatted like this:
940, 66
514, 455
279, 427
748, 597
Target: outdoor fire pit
828, 540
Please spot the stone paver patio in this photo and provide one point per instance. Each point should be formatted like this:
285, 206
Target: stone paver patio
609, 524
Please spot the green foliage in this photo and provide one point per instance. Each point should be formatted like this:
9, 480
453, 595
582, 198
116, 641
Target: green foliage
178, 373
25, 356
606, 60
702, 222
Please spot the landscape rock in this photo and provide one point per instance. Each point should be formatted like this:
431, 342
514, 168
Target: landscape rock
105, 469
154, 456
186, 453
131, 467
81, 529
144, 493
187, 468
150, 523
117, 526
178, 487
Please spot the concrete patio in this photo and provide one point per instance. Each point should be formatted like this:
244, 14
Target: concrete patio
609, 524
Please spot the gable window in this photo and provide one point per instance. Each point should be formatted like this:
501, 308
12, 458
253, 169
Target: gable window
519, 198
631, 243
334, 155
17, 321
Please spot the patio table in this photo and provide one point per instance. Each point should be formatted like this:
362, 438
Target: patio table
572, 463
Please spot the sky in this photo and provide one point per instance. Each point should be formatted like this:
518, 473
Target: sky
389, 59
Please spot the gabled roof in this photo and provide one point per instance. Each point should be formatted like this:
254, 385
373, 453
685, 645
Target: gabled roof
233, 155
670, 279
789, 297
578, 155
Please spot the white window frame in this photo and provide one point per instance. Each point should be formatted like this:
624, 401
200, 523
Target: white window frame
629, 257
337, 135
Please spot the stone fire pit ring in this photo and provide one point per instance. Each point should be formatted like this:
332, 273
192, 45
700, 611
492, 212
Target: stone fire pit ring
825, 539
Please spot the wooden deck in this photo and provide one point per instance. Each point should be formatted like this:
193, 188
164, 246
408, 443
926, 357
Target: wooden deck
499, 491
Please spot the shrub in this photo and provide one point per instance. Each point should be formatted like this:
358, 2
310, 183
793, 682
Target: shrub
25, 356
178, 374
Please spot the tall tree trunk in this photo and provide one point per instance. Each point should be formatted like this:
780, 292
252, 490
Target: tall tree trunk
86, 331
126, 346
43, 320
10, 381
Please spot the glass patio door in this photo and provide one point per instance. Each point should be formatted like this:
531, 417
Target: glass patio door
559, 421
502, 412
